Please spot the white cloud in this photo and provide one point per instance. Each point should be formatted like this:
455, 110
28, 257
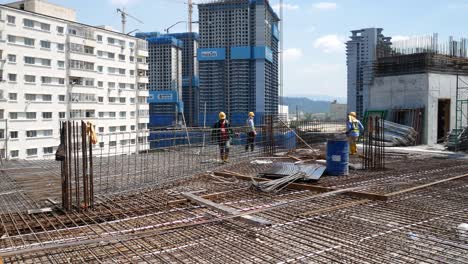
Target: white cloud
293, 54
325, 6
286, 7
400, 38
122, 2
330, 44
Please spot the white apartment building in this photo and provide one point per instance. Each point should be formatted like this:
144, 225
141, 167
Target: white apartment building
53, 69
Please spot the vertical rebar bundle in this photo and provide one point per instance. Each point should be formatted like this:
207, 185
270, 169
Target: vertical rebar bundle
373, 144
76, 155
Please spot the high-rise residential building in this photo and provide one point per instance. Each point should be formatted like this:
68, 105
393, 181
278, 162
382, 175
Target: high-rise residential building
165, 79
238, 59
53, 69
190, 80
362, 52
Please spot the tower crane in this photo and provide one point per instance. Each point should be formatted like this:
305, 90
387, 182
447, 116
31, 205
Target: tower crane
124, 16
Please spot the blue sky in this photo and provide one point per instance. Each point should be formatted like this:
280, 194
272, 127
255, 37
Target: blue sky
315, 31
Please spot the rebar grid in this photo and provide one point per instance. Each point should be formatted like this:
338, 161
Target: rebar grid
419, 227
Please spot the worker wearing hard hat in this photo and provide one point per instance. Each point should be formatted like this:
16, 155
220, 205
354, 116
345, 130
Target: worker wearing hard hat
222, 135
251, 132
353, 130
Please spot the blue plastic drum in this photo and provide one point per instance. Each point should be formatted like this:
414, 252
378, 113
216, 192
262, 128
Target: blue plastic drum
338, 157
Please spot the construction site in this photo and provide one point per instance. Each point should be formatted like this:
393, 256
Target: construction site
176, 203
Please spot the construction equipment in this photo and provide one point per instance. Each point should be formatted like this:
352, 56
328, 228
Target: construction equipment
124, 16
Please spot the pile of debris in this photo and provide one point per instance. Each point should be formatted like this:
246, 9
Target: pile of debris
396, 135
458, 140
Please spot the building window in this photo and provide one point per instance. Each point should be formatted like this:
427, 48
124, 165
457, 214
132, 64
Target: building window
101, 130
61, 81
121, 57
132, 127
46, 62
12, 77
12, 58
100, 84
13, 115
29, 60
100, 68
30, 78
47, 115
123, 100
111, 85
101, 99
132, 73
112, 143
123, 128
61, 98
2, 133
47, 98
48, 150
30, 97
123, 114
112, 129
46, 80
31, 152
60, 30
14, 134
29, 42
31, 133
45, 27
11, 20
31, 115
11, 39
13, 96
122, 71
14, 153
28, 23
99, 38
45, 44
61, 115
112, 114
60, 47
101, 114
101, 144
132, 59
61, 64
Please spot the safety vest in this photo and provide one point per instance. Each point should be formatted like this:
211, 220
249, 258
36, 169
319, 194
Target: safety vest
355, 125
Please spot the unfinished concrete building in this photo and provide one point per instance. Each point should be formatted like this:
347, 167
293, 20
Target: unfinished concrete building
423, 80
238, 59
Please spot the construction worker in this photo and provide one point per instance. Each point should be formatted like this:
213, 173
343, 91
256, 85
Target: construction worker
251, 132
353, 129
222, 135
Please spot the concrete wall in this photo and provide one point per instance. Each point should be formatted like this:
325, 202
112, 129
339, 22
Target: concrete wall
46, 8
414, 91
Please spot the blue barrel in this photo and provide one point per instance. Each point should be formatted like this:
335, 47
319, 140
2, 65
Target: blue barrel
338, 157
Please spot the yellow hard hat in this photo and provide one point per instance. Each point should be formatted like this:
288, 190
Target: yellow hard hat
353, 114
222, 115
251, 114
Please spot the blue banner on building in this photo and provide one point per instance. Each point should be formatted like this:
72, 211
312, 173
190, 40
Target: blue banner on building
211, 54
162, 97
241, 53
263, 52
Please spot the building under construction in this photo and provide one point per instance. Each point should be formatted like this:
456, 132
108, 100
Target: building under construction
190, 79
165, 79
238, 59
429, 81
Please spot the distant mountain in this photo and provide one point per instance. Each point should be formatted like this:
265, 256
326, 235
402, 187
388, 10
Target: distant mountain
306, 105
328, 98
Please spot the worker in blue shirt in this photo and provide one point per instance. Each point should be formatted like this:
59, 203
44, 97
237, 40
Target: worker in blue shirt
353, 130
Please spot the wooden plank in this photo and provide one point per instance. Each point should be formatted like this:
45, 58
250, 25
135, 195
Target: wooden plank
425, 185
302, 186
206, 196
226, 210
